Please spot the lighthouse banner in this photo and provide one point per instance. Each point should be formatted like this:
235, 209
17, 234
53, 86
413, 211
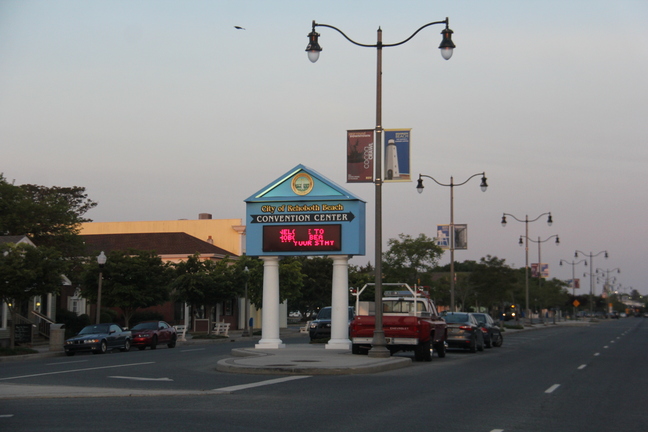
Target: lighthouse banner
360, 156
397, 155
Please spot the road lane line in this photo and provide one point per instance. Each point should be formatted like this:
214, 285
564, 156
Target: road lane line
67, 362
141, 378
597, 354
582, 366
260, 383
605, 347
6, 415
74, 370
552, 388
190, 350
497, 430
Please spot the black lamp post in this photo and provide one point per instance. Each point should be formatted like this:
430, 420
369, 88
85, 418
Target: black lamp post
591, 276
540, 259
526, 235
451, 185
573, 264
379, 344
101, 260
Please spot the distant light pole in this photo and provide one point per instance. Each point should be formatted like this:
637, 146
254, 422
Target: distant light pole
591, 266
101, 260
526, 266
573, 264
606, 284
379, 344
246, 329
540, 259
451, 185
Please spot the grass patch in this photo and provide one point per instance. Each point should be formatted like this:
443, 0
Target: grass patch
16, 351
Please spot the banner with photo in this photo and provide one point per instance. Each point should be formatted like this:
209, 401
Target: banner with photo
360, 156
460, 238
544, 270
397, 155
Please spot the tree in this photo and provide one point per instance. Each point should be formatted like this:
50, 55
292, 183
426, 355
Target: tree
49, 216
205, 283
317, 286
494, 282
131, 280
25, 272
408, 258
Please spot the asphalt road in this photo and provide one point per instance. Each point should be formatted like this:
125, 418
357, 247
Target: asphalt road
557, 378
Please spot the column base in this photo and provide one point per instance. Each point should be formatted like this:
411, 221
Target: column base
270, 344
338, 344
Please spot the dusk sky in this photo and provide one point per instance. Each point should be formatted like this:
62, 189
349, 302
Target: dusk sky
163, 110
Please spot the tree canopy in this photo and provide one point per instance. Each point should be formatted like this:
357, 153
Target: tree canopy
131, 280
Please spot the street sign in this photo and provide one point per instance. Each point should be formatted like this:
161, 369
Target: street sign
576, 303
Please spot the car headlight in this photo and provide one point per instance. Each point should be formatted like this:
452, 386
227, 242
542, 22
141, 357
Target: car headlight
91, 341
313, 325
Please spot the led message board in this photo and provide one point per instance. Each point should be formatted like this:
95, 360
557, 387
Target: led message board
302, 238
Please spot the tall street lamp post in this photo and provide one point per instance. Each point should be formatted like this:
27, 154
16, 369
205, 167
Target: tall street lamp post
379, 344
540, 260
451, 185
526, 266
573, 264
607, 285
591, 276
101, 260
246, 329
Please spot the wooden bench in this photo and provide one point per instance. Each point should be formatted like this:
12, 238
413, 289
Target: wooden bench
221, 328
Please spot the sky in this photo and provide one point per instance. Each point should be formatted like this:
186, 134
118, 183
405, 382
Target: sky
163, 110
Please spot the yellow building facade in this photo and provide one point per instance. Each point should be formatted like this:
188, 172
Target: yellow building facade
228, 234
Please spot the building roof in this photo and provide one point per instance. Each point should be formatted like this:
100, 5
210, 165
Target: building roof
176, 244
15, 239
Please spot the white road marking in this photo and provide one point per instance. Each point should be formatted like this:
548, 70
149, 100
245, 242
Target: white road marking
74, 370
141, 378
582, 366
497, 430
605, 347
261, 383
64, 363
552, 388
6, 415
190, 350
597, 354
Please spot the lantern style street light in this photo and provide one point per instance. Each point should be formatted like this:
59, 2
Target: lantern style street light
101, 260
451, 185
540, 258
379, 344
573, 264
526, 235
591, 278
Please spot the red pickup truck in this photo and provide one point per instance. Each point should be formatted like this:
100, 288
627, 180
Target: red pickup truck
410, 323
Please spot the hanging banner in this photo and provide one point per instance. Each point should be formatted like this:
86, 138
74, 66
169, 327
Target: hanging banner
360, 156
397, 155
460, 239
544, 270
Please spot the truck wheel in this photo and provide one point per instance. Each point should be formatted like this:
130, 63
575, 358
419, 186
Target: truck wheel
440, 349
422, 351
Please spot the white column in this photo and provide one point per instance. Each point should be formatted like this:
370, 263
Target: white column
270, 311
340, 304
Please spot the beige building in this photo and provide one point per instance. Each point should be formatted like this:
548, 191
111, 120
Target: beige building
228, 234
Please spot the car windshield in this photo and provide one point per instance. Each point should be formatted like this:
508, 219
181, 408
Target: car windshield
402, 306
146, 326
480, 317
324, 314
99, 328
456, 318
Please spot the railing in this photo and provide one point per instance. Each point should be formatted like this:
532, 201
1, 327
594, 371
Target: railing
43, 323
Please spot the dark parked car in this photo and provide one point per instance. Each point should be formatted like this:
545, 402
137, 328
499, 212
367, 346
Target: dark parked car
154, 333
320, 328
492, 333
98, 339
464, 331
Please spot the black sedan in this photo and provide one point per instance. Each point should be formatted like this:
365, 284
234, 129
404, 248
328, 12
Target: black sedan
98, 339
464, 331
320, 328
154, 333
492, 333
